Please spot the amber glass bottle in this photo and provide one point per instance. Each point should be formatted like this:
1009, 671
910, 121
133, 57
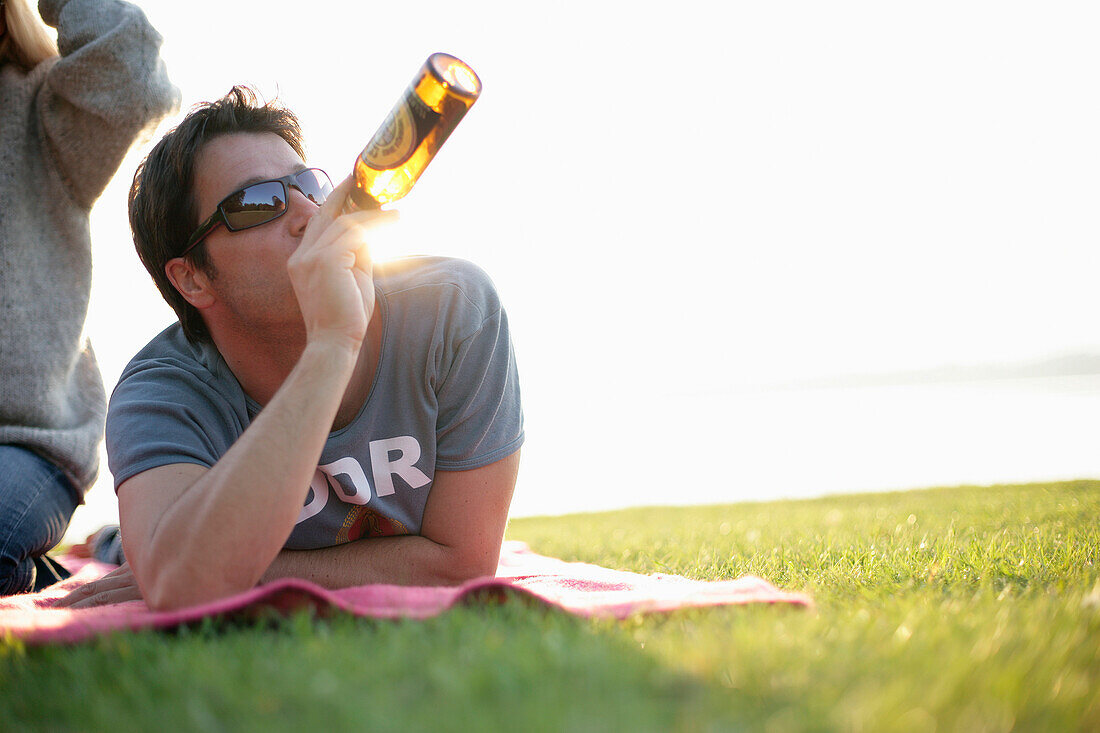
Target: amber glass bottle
438, 98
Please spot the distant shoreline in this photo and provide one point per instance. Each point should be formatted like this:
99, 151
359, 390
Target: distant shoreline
1072, 365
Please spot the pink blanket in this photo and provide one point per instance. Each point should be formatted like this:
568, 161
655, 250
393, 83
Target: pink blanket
578, 588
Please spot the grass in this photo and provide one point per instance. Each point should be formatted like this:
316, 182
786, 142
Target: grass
951, 609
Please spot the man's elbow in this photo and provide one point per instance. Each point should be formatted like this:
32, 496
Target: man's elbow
162, 596
459, 568
174, 588
165, 596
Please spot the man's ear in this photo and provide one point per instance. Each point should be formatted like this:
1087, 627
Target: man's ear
192, 283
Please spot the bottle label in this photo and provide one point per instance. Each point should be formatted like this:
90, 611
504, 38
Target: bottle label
396, 140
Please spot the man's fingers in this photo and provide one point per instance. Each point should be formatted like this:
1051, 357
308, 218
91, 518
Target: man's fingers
348, 236
118, 582
77, 595
362, 221
334, 204
365, 223
331, 225
121, 595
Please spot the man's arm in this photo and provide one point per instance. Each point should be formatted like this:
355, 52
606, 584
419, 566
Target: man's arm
194, 534
463, 526
462, 529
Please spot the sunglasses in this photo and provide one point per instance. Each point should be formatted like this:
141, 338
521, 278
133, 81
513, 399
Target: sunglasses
259, 203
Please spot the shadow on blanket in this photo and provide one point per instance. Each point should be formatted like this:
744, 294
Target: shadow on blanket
578, 588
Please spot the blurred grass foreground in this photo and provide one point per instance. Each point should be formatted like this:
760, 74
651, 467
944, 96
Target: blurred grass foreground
970, 608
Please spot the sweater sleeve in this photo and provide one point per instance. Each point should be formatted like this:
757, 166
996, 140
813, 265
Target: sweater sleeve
107, 89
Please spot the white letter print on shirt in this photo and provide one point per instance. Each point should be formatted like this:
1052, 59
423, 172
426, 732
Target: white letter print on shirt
382, 468
318, 489
350, 468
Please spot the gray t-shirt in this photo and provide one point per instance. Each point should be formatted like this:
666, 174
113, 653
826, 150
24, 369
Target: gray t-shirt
445, 397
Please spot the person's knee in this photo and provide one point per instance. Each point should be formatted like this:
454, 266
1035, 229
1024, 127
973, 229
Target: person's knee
21, 542
17, 574
36, 503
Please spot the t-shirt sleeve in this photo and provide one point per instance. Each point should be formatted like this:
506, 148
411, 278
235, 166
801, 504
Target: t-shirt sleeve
480, 418
162, 413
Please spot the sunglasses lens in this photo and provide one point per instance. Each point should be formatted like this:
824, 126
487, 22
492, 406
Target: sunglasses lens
261, 202
254, 205
314, 185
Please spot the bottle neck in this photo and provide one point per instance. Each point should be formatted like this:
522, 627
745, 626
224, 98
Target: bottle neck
360, 200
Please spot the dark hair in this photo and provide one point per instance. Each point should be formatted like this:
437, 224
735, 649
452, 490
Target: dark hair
163, 206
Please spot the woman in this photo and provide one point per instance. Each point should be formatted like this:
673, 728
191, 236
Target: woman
69, 112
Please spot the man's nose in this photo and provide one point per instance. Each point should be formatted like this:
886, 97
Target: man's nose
301, 210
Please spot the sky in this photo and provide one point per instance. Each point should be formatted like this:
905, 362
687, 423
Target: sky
685, 204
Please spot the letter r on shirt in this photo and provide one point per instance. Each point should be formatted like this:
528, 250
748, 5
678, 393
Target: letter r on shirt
383, 468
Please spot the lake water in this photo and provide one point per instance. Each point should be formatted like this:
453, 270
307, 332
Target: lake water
695, 448
701, 447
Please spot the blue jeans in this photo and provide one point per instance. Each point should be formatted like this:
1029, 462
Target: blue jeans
36, 503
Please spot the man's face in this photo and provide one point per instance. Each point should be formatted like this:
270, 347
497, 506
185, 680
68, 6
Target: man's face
251, 284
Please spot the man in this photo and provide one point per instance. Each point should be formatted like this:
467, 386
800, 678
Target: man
312, 414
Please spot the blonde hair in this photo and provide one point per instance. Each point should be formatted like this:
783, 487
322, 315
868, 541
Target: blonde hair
27, 42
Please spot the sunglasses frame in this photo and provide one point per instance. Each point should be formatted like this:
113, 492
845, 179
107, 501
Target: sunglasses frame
219, 215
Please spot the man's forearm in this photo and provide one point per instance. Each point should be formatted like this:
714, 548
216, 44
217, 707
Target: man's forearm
405, 560
462, 528
225, 529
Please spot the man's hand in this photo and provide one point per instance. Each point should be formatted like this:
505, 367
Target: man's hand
331, 271
114, 587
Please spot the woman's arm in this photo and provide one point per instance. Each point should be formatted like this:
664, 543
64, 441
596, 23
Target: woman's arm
108, 88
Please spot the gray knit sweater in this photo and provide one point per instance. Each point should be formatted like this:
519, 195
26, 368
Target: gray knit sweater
64, 129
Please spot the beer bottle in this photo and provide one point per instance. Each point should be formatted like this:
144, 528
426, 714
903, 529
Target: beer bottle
436, 100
